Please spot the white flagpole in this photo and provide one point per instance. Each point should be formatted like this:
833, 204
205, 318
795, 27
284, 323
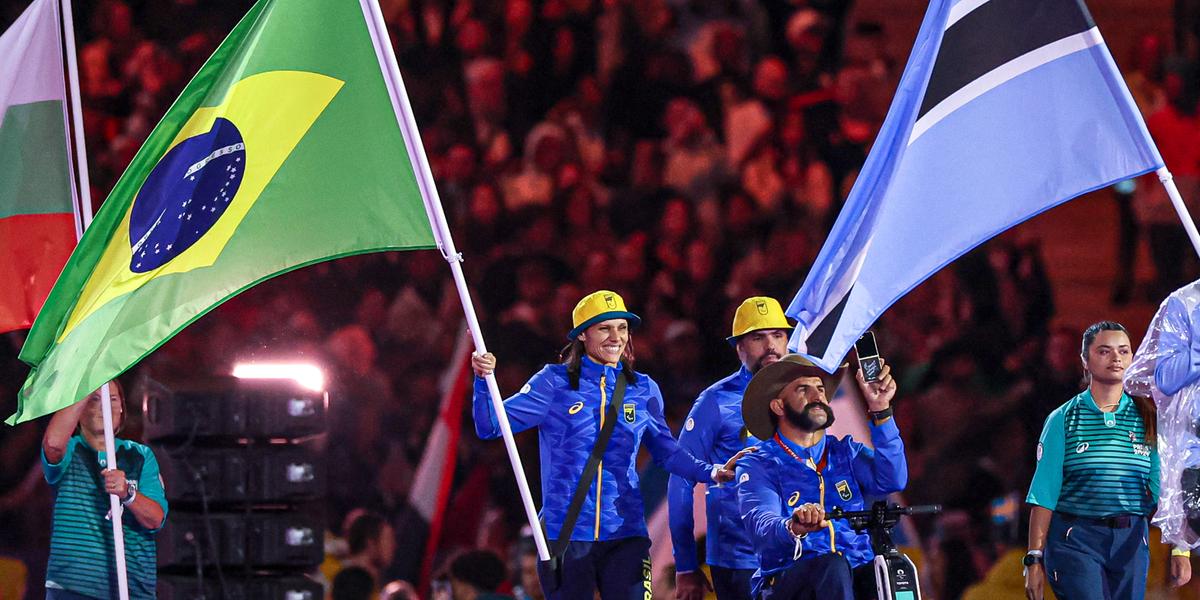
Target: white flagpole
437, 218
1189, 226
84, 218
85, 182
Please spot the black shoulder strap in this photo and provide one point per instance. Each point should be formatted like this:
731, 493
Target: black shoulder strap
557, 547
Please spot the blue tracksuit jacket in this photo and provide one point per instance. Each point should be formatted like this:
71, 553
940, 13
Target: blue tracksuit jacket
771, 484
568, 422
714, 431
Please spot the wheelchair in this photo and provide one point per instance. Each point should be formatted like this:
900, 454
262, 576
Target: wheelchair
895, 574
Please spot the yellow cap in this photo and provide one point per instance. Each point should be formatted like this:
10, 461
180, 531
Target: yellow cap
758, 312
600, 306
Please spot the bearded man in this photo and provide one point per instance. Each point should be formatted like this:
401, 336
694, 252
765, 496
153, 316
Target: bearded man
799, 474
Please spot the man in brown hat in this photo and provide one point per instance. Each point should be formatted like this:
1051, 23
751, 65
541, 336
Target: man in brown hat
786, 488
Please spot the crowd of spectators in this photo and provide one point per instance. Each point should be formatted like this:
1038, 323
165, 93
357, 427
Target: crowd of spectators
685, 153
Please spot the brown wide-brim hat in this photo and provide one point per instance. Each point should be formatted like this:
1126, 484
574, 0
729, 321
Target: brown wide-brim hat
770, 380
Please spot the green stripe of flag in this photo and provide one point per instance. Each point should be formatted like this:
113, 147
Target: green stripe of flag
34, 170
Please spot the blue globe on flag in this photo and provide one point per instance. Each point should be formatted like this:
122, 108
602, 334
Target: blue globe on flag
185, 195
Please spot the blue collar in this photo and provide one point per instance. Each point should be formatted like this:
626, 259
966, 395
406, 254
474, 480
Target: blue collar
591, 369
743, 375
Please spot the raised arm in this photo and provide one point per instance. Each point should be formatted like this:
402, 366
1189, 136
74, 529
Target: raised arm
61, 428
525, 409
885, 469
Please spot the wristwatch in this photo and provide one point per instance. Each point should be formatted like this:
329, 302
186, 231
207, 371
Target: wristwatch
1033, 557
881, 415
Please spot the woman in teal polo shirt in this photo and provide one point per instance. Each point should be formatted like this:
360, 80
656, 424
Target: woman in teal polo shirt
1095, 484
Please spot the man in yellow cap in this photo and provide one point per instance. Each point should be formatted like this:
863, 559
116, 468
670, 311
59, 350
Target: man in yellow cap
600, 540
714, 428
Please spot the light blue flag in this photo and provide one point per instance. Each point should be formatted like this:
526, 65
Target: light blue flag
1005, 109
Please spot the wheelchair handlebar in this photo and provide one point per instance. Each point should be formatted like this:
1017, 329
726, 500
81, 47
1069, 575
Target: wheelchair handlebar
891, 511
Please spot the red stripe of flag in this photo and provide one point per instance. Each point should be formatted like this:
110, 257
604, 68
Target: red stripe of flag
35, 248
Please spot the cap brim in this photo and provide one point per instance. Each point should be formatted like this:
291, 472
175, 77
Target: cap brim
633, 319
766, 385
734, 338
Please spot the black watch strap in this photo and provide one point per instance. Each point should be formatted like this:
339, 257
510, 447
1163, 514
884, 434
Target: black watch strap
881, 415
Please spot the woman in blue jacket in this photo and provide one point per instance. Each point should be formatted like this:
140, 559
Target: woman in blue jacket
609, 549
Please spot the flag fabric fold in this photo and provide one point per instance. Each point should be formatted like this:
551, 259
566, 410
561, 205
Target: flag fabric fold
1006, 108
37, 216
282, 151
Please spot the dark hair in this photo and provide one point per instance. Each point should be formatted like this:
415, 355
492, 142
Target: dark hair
572, 356
362, 528
353, 583
1145, 406
480, 569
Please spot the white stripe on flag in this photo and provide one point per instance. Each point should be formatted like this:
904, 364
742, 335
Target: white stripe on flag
1004, 73
31, 68
961, 10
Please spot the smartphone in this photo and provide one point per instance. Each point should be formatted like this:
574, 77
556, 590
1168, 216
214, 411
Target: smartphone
868, 356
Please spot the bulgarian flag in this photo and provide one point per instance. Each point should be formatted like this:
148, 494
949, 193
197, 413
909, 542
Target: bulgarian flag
284, 150
38, 226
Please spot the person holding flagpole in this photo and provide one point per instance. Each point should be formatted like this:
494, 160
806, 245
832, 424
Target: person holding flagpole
714, 428
593, 411
81, 560
1096, 482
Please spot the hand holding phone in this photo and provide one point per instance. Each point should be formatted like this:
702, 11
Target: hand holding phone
868, 357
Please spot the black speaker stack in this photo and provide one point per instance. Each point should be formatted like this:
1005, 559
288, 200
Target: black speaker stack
244, 473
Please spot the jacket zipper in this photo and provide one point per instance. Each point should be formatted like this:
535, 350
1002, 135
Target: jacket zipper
600, 469
821, 485
832, 534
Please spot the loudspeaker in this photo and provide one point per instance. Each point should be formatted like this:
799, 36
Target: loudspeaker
231, 408
259, 540
242, 470
262, 474
262, 586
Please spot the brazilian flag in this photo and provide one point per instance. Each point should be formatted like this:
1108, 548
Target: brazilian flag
283, 151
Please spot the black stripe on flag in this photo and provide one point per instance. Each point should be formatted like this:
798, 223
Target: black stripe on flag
818, 341
995, 33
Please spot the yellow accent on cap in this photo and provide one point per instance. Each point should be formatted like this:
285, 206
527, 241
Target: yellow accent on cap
758, 312
599, 306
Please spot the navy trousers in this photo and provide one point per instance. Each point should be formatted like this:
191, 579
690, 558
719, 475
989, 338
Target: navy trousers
864, 582
1087, 559
819, 577
619, 569
731, 584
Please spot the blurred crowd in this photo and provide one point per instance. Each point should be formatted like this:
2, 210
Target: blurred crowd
685, 153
